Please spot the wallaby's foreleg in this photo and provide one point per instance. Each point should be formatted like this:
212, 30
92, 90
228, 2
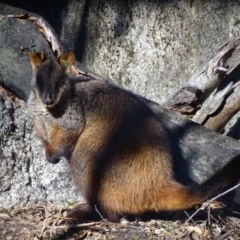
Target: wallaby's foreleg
83, 165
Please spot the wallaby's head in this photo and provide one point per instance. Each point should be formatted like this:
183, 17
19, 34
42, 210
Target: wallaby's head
50, 77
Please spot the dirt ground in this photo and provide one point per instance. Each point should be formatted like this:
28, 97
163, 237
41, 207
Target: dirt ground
49, 222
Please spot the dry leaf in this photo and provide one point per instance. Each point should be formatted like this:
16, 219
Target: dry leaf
203, 232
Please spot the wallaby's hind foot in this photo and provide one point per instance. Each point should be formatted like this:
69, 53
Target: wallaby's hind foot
85, 212
81, 212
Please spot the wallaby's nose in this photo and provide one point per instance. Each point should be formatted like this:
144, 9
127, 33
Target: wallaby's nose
48, 100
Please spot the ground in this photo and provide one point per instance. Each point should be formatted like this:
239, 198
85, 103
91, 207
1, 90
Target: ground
49, 222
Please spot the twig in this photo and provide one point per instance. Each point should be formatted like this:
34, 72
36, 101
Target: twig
224, 193
52, 229
44, 222
204, 205
209, 218
78, 225
189, 216
104, 219
224, 236
216, 221
224, 222
207, 203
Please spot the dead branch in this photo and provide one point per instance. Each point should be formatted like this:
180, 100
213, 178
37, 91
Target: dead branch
229, 107
189, 99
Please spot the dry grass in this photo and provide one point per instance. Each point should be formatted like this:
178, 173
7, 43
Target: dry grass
49, 222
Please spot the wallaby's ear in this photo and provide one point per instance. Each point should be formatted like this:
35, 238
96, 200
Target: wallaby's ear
66, 60
36, 59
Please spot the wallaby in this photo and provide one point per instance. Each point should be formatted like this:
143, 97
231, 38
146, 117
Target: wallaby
118, 151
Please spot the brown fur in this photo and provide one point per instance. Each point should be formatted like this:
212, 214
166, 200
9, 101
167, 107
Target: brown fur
118, 151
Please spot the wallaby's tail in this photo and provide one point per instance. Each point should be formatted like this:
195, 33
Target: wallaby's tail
223, 178
175, 196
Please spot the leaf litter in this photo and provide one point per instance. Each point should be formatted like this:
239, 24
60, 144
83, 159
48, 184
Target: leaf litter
47, 221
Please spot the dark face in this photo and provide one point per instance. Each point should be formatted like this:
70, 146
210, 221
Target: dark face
51, 82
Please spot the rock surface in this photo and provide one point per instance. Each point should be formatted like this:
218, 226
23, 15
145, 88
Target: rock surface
25, 176
151, 47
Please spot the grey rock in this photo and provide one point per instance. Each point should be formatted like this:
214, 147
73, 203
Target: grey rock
26, 177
